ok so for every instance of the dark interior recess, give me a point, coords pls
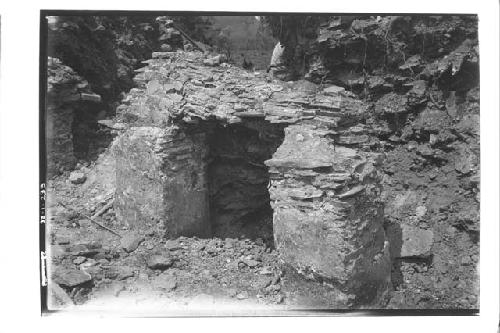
(238, 179)
(89, 138)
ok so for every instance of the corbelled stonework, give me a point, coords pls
(311, 142)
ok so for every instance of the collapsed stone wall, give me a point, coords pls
(103, 49)
(68, 95)
(324, 184)
(419, 76)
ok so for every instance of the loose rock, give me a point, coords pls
(125, 272)
(77, 177)
(251, 263)
(70, 277)
(59, 297)
(416, 242)
(79, 260)
(131, 242)
(166, 282)
(162, 261)
(173, 245)
(242, 295)
(266, 271)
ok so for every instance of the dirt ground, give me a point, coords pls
(179, 276)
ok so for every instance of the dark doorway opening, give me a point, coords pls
(238, 179)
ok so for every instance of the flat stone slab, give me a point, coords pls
(416, 242)
(77, 177)
(58, 297)
(160, 261)
(70, 277)
(131, 242)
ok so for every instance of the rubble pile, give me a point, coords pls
(183, 268)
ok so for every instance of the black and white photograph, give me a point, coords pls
(249, 167)
(262, 163)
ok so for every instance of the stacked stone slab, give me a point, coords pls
(324, 181)
(328, 220)
(161, 179)
(65, 90)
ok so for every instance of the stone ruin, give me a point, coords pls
(209, 149)
(68, 97)
(333, 179)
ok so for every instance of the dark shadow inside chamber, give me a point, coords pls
(238, 179)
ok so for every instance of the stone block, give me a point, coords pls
(416, 242)
(154, 186)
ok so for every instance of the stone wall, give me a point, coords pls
(328, 218)
(162, 181)
(67, 93)
(324, 187)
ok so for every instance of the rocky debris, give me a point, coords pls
(413, 64)
(250, 262)
(90, 97)
(68, 277)
(66, 91)
(166, 48)
(87, 249)
(166, 281)
(160, 261)
(77, 177)
(95, 270)
(131, 241)
(58, 298)
(173, 245)
(111, 124)
(63, 241)
(117, 289)
(242, 295)
(65, 85)
(391, 103)
(263, 283)
(416, 242)
(266, 271)
(79, 260)
(112, 272)
(125, 273)
(467, 220)
(214, 61)
(232, 292)
(170, 36)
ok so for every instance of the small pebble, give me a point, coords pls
(242, 295)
